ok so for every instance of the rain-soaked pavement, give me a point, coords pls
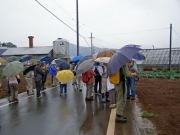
(64, 115)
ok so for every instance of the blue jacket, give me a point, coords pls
(52, 70)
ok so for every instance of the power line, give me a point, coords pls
(104, 42)
(82, 23)
(64, 10)
(60, 20)
(132, 32)
(176, 33)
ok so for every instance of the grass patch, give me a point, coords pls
(146, 114)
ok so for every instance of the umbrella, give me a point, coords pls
(31, 68)
(12, 58)
(2, 60)
(62, 64)
(102, 59)
(13, 68)
(120, 58)
(139, 56)
(132, 45)
(84, 66)
(65, 76)
(76, 58)
(45, 58)
(25, 58)
(105, 53)
(83, 59)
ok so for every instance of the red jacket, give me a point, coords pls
(91, 74)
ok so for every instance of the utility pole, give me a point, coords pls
(170, 47)
(77, 18)
(92, 50)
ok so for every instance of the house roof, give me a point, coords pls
(27, 50)
(2, 51)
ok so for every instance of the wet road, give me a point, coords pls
(55, 115)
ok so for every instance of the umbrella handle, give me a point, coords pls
(136, 78)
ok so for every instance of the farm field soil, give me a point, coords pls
(162, 97)
(21, 86)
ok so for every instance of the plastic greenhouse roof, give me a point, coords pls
(160, 56)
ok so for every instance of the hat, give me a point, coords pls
(38, 62)
(43, 62)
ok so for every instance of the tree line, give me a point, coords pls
(8, 45)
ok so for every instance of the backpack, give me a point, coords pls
(85, 78)
(98, 76)
(117, 78)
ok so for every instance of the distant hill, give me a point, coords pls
(82, 50)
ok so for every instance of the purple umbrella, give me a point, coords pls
(120, 58)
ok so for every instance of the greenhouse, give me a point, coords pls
(158, 59)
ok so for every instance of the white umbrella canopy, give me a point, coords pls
(102, 59)
(84, 66)
(13, 68)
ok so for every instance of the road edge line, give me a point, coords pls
(111, 125)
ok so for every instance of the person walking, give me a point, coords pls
(14, 88)
(89, 84)
(98, 78)
(121, 93)
(28, 77)
(130, 82)
(53, 71)
(43, 68)
(63, 86)
(38, 73)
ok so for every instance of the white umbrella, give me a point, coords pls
(102, 59)
(84, 66)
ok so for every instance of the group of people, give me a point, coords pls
(97, 80)
(115, 94)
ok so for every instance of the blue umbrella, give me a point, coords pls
(139, 56)
(120, 58)
(45, 58)
(25, 58)
(76, 58)
(62, 64)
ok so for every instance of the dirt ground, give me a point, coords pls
(161, 97)
(157, 96)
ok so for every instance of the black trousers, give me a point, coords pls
(38, 88)
(98, 81)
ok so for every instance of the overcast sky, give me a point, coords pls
(114, 23)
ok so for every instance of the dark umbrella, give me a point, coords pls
(139, 56)
(120, 58)
(45, 58)
(25, 58)
(31, 68)
(62, 64)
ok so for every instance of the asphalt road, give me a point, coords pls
(55, 115)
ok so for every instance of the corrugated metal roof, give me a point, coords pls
(2, 51)
(160, 56)
(27, 50)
